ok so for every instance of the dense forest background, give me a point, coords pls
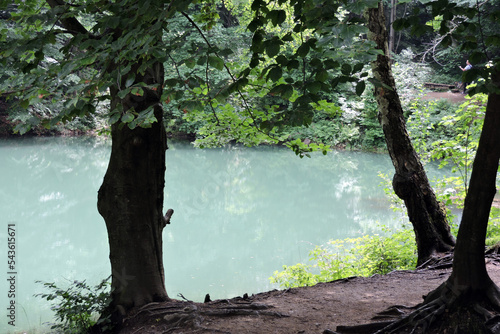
(343, 118)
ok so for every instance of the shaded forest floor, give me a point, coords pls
(450, 96)
(314, 309)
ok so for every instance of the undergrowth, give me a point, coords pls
(78, 307)
(363, 256)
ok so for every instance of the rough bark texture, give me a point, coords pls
(468, 264)
(131, 203)
(131, 196)
(468, 301)
(410, 182)
(392, 35)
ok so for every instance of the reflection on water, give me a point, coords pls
(240, 214)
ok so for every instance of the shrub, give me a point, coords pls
(363, 256)
(78, 307)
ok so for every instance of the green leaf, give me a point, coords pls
(130, 80)
(303, 50)
(276, 16)
(257, 39)
(266, 125)
(346, 69)
(358, 7)
(360, 88)
(255, 24)
(287, 38)
(216, 62)
(24, 104)
(493, 40)
(322, 75)
(257, 4)
(358, 67)
(202, 60)
(293, 64)
(272, 49)
(121, 94)
(190, 62)
(138, 91)
(313, 87)
(275, 73)
(127, 117)
(282, 60)
(172, 82)
(114, 118)
(285, 91)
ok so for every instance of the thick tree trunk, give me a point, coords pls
(410, 182)
(131, 202)
(469, 269)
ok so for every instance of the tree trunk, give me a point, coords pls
(410, 182)
(468, 263)
(131, 201)
(392, 35)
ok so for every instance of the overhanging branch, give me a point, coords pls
(71, 24)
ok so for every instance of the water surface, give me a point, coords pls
(240, 214)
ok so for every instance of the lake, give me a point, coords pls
(240, 214)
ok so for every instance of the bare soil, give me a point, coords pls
(317, 309)
(450, 96)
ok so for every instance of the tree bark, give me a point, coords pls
(131, 201)
(469, 269)
(410, 182)
(392, 35)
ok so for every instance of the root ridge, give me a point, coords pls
(450, 308)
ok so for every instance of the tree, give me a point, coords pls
(469, 294)
(118, 51)
(392, 34)
(131, 196)
(410, 183)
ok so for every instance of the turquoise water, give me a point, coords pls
(240, 214)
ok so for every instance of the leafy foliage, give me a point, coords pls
(449, 135)
(470, 27)
(78, 306)
(363, 256)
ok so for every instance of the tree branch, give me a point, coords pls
(71, 24)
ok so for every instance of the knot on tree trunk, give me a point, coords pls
(402, 184)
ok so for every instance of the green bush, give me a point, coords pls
(78, 307)
(363, 256)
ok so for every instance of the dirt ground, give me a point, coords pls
(452, 97)
(317, 309)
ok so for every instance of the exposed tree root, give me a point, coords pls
(450, 308)
(438, 262)
(446, 261)
(186, 314)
